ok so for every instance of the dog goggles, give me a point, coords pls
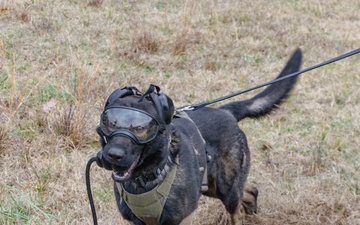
(138, 125)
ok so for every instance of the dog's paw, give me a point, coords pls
(249, 201)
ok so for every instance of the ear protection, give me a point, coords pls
(164, 105)
(167, 107)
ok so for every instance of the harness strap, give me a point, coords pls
(204, 183)
(148, 206)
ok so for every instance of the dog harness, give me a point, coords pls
(202, 168)
(148, 206)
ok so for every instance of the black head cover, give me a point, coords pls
(164, 105)
(121, 93)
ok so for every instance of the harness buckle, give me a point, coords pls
(140, 181)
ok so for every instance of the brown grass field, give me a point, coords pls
(59, 61)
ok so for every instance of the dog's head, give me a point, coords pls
(133, 127)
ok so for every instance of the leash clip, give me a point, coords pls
(185, 108)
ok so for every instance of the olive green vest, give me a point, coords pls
(148, 206)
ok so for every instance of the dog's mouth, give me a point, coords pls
(121, 176)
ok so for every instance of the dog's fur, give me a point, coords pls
(226, 146)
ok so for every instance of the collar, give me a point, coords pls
(156, 176)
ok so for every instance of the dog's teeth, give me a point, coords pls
(121, 176)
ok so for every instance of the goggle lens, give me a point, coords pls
(139, 123)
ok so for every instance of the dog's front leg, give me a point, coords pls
(249, 200)
(249, 204)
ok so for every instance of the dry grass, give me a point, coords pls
(59, 60)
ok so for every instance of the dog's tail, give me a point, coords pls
(269, 98)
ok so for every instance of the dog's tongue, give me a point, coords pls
(123, 176)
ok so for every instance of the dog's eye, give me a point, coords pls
(139, 129)
(140, 132)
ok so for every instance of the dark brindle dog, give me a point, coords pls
(163, 162)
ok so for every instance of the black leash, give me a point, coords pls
(203, 104)
(88, 189)
(200, 105)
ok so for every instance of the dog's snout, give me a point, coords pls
(116, 154)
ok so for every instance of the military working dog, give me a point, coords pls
(162, 160)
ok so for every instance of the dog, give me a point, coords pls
(162, 160)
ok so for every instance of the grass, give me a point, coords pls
(59, 61)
